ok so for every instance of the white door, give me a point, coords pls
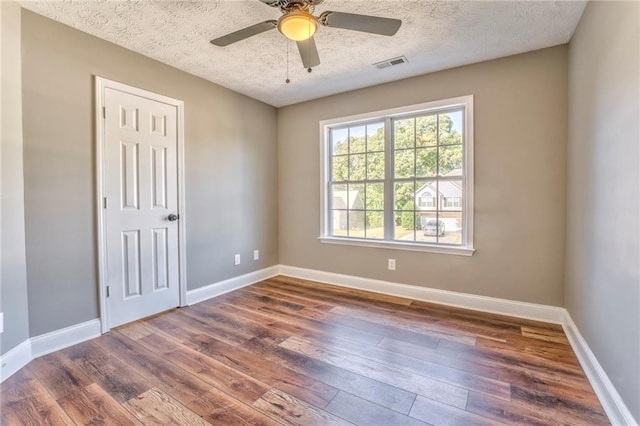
(141, 190)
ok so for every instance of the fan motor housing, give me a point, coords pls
(287, 5)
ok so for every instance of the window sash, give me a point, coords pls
(465, 203)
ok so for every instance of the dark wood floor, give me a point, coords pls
(287, 351)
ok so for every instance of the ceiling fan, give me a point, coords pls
(298, 23)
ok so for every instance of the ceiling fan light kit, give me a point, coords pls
(297, 23)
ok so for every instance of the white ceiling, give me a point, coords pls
(435, 35)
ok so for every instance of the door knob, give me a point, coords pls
(172, 217)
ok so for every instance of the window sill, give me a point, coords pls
(396, 245)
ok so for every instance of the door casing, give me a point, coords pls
(100, 85)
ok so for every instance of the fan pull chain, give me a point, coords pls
(287, 44)
(309, 45)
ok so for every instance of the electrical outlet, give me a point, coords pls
(256, 254)
(391, 265)
(236, 259)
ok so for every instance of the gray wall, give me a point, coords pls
(602, 290)
(13, 278)
(231, 176)
(520, 144)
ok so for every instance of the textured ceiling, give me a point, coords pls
(435, 35)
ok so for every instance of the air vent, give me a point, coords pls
(390, 62)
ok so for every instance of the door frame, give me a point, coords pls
(100, 85)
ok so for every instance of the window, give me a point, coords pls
(427, 200)
(401, 178)
(453, 202)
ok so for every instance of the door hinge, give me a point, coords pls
(104, 202)
(104, 112)
(108, 291)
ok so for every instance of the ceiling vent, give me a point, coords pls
(391, 62)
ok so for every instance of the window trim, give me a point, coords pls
(466, 249)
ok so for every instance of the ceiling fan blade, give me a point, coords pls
(244, 33)
(365, 23)
(308, 52)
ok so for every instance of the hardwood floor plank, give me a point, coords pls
(433, 355)
(386, 331)
(154, 407)
(421, 385)
(92, 405)
(580, 395)
(564, 409)
(202, 398)
(513, 369)
(556, 336)
(20, 385)
(251, 297)
(509, 413)
(438, 414)
(174, 324)
(292, 411)
(233, 323)
(375, 391)
(265, 289)
(426, 332)
(59, 374)
(523, 412)
(159, 371)
(218, 408)
(460, 378)
(497, 321)
(362, 412)
(540, 350)
(114, 376)
(511, 358)
(239, 385)
(343, 291)
(325, 293)
(311, 325)
(274, 375)
(464, 327)
(516, 372)
(257, 317)
(136, 329)
(31, 405)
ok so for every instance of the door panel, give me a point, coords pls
(140, 183)
(129, 171)
(159, 177)
(131, 263)
(160, 259)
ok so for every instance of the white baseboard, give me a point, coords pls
(216, 289)
(65, 337)
(494, 305)
(15, 359)
(609, 397)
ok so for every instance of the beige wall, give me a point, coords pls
(520, 145)
(602, 290)
(231, 177)
(13, 278)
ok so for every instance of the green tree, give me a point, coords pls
(408, 216)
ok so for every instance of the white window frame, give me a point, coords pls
(466, 248)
